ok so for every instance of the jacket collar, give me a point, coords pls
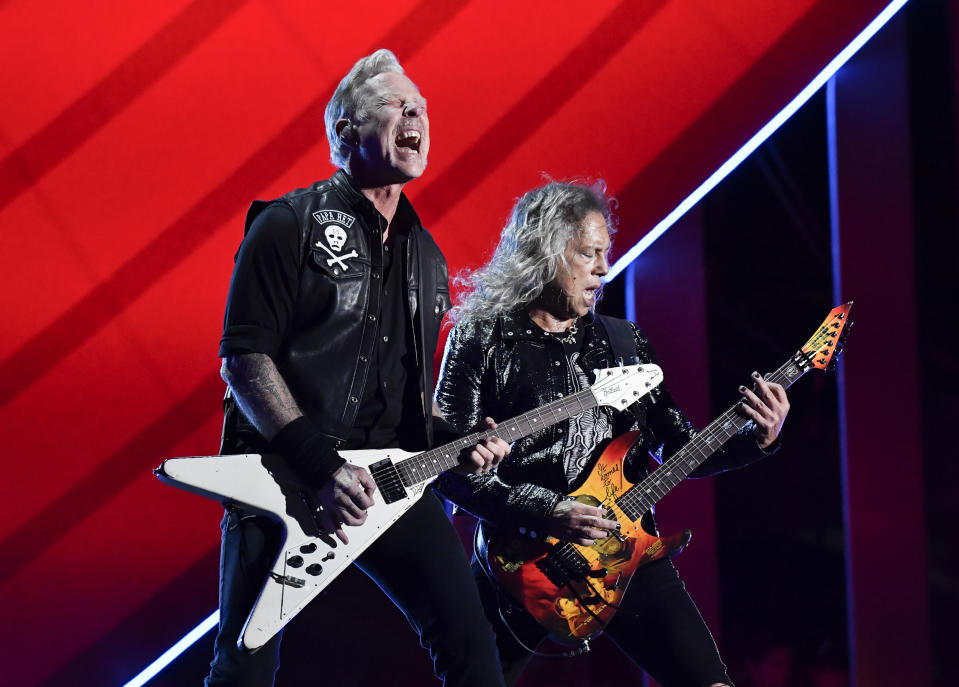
(405, 213)
(517, 325)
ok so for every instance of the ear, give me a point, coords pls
(344, 130)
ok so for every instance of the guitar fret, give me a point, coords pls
(426, 465)
(670, 479)
(639, 498)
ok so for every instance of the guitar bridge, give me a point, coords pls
(563, 564)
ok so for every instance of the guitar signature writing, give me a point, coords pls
(607, 474)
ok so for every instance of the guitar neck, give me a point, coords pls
(427, 465)
(642, 496)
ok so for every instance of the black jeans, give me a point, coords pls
(419, 563)
(658, 626)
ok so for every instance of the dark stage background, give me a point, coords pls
(133, 137)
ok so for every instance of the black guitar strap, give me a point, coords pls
(621, 340)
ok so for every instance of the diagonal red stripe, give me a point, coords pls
(595, 50)
(81, 120)
(179, 240)
(656, 189)
(113, 295)
(143, 452)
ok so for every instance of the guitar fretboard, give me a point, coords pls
(642, 496)
(427, 465)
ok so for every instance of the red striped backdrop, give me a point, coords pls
(134, 135)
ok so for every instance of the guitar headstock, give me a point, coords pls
(619, 387)
(822, 350)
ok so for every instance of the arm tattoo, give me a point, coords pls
(261, 392)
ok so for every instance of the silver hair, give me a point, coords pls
(532, 247)
(347, 102)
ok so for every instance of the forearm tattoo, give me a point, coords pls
(261, 392)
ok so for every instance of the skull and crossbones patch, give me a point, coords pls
(335, 237)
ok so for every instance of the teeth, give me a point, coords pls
(411, 136)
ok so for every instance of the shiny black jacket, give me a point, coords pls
(325, 357)
(506, 366)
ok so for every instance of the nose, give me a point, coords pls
(602, 265)
(412, 109)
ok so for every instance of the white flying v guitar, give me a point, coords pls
(310, 557)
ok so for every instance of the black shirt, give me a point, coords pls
(392, 389)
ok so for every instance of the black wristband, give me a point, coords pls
(311, 453)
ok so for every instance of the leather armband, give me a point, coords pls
(311, 453)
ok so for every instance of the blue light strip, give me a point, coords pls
(170, 654)
(630, 292)
(758, 138)
(835, 228)
(630, 255)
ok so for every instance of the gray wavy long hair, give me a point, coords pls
(532, 247)
(347, 103)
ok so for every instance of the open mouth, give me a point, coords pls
(591, 293)
(409, 140)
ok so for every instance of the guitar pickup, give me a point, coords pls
(563, 564)
(288, 580)
(388, 480)
(601, 572)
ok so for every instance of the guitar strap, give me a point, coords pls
(620, 334)
(623, 344)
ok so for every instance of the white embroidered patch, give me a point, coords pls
(335, 237)
(335, 224)
(334, 217)
(338, 259)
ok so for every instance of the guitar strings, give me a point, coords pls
(414, 469)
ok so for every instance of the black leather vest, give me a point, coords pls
(325, 359)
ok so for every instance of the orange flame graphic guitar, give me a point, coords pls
(573, 591)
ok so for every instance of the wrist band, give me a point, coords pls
(311, 453)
